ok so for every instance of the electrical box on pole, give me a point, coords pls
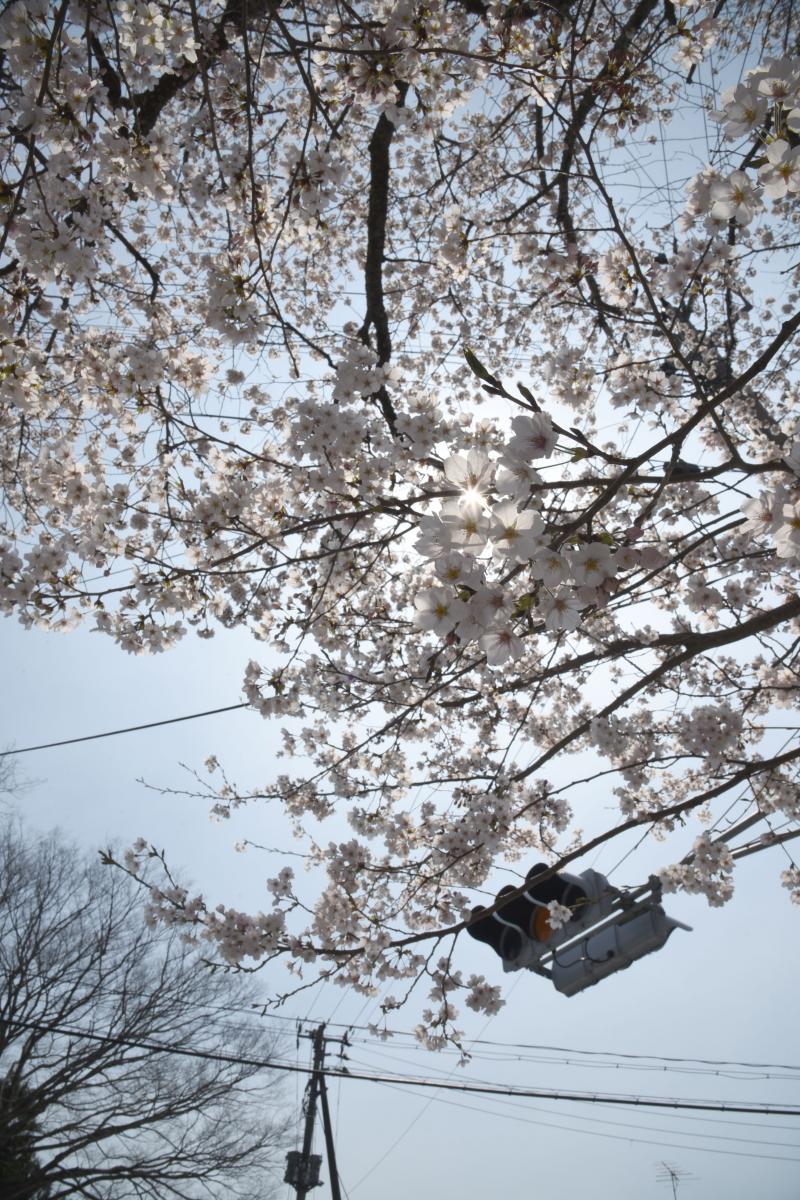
(302, 1174)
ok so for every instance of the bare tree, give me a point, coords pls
(19, 1167)
(8, 776)
(87, 1106)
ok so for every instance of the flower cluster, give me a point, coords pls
(791, 880)
(314, 176)
(776, 514)
(478, 545)
(694, 43)
(711, 731)
(707, 873)
(765, 104)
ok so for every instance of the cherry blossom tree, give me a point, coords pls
(450, 348)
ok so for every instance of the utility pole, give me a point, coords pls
(326, 1120)
(303, 1167)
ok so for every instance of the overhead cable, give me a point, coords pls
(629, 1137)
(711, 1062)
(440, 1085)
(92, 737)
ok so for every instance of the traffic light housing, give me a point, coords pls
(520, 930)
(521, 933)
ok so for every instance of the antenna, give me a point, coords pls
(672, 1175)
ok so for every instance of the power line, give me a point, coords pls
(551, 1056)
(91, 737)
(753, 1145)
(585, 1061)
(648, 1061)
(389, 1052)
(627, 1125)
(711, 1062)
(412, 1081)
(629, 1137)
(377, 1046)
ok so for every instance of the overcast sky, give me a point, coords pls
(726, 991)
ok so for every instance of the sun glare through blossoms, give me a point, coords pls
(451, 350)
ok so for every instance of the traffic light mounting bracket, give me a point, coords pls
(625, 907)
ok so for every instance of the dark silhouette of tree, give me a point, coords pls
(19, 1168)
(87, 1105)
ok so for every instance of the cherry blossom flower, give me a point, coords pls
(744, 110)
(434, 536)
(787, 535)
(550, 566)
(707, 873)
(514, 534)
(790, 879)
(499, 645)
(765, 512)
(534, 437)
(483, 997)
(472, 472)
(710, 730)
(562, 610)
(466, 523)
(700, 195)
(458, 569)
(735, 198)
(488, 608)
(558, 915)
(516, 478)
(778, 79)
(438, 610)
(781, 173)
(592, 564)
(695, 42)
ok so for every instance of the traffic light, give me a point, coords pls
(520, 930)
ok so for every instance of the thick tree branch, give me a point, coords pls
(375, 316)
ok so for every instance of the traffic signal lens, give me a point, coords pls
(576, 899)
(485, 929)
(541, 929)
(511, 945)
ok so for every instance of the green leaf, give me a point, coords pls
(528, 395)
(477, 368)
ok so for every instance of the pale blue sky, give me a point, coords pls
(728, 990)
